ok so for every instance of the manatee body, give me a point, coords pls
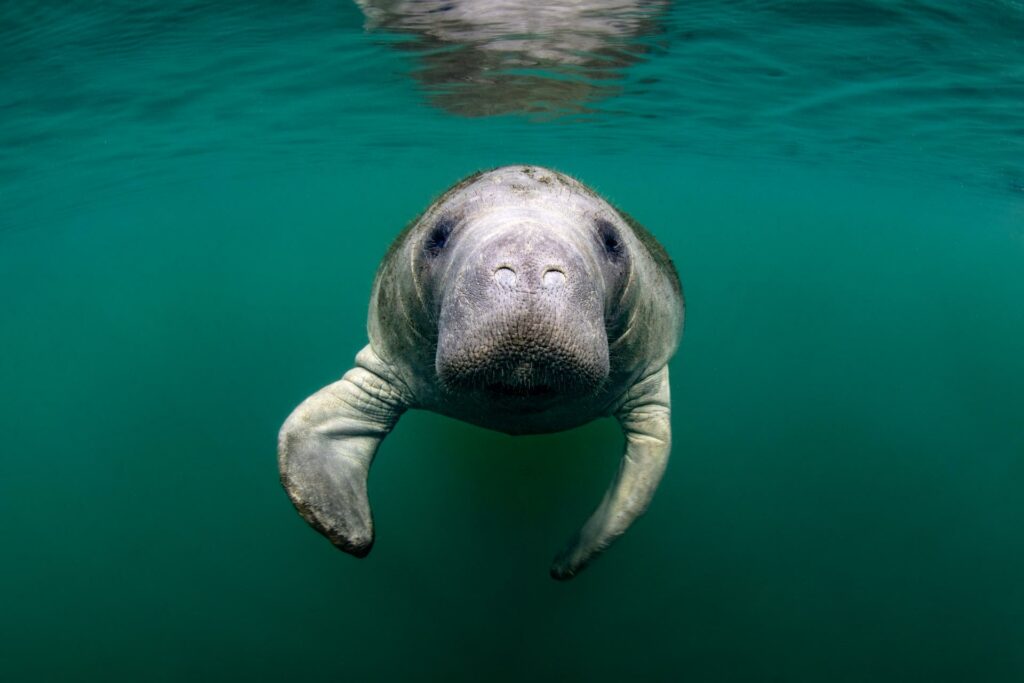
(519, 301)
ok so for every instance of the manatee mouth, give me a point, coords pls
(502, 389)
(505, 376)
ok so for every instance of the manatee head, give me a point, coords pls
(523, 270)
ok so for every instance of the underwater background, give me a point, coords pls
(193, 203)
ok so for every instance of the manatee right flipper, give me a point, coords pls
(645, 417)
(326, 447)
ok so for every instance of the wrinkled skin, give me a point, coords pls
(519, 301)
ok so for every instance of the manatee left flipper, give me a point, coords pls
(326, 447)
(645, 417)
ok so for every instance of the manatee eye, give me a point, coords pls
(438, 237)
(610, 238)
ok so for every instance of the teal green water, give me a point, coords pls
(192, 206)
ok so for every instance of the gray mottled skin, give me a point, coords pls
(519, 301)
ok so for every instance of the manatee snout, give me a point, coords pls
(524, 320)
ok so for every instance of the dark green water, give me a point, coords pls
(192, 206)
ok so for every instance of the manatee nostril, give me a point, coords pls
(505, 276)
(553, 278)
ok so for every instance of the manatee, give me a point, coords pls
(520, 301)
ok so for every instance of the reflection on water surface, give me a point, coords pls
(478, 58)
